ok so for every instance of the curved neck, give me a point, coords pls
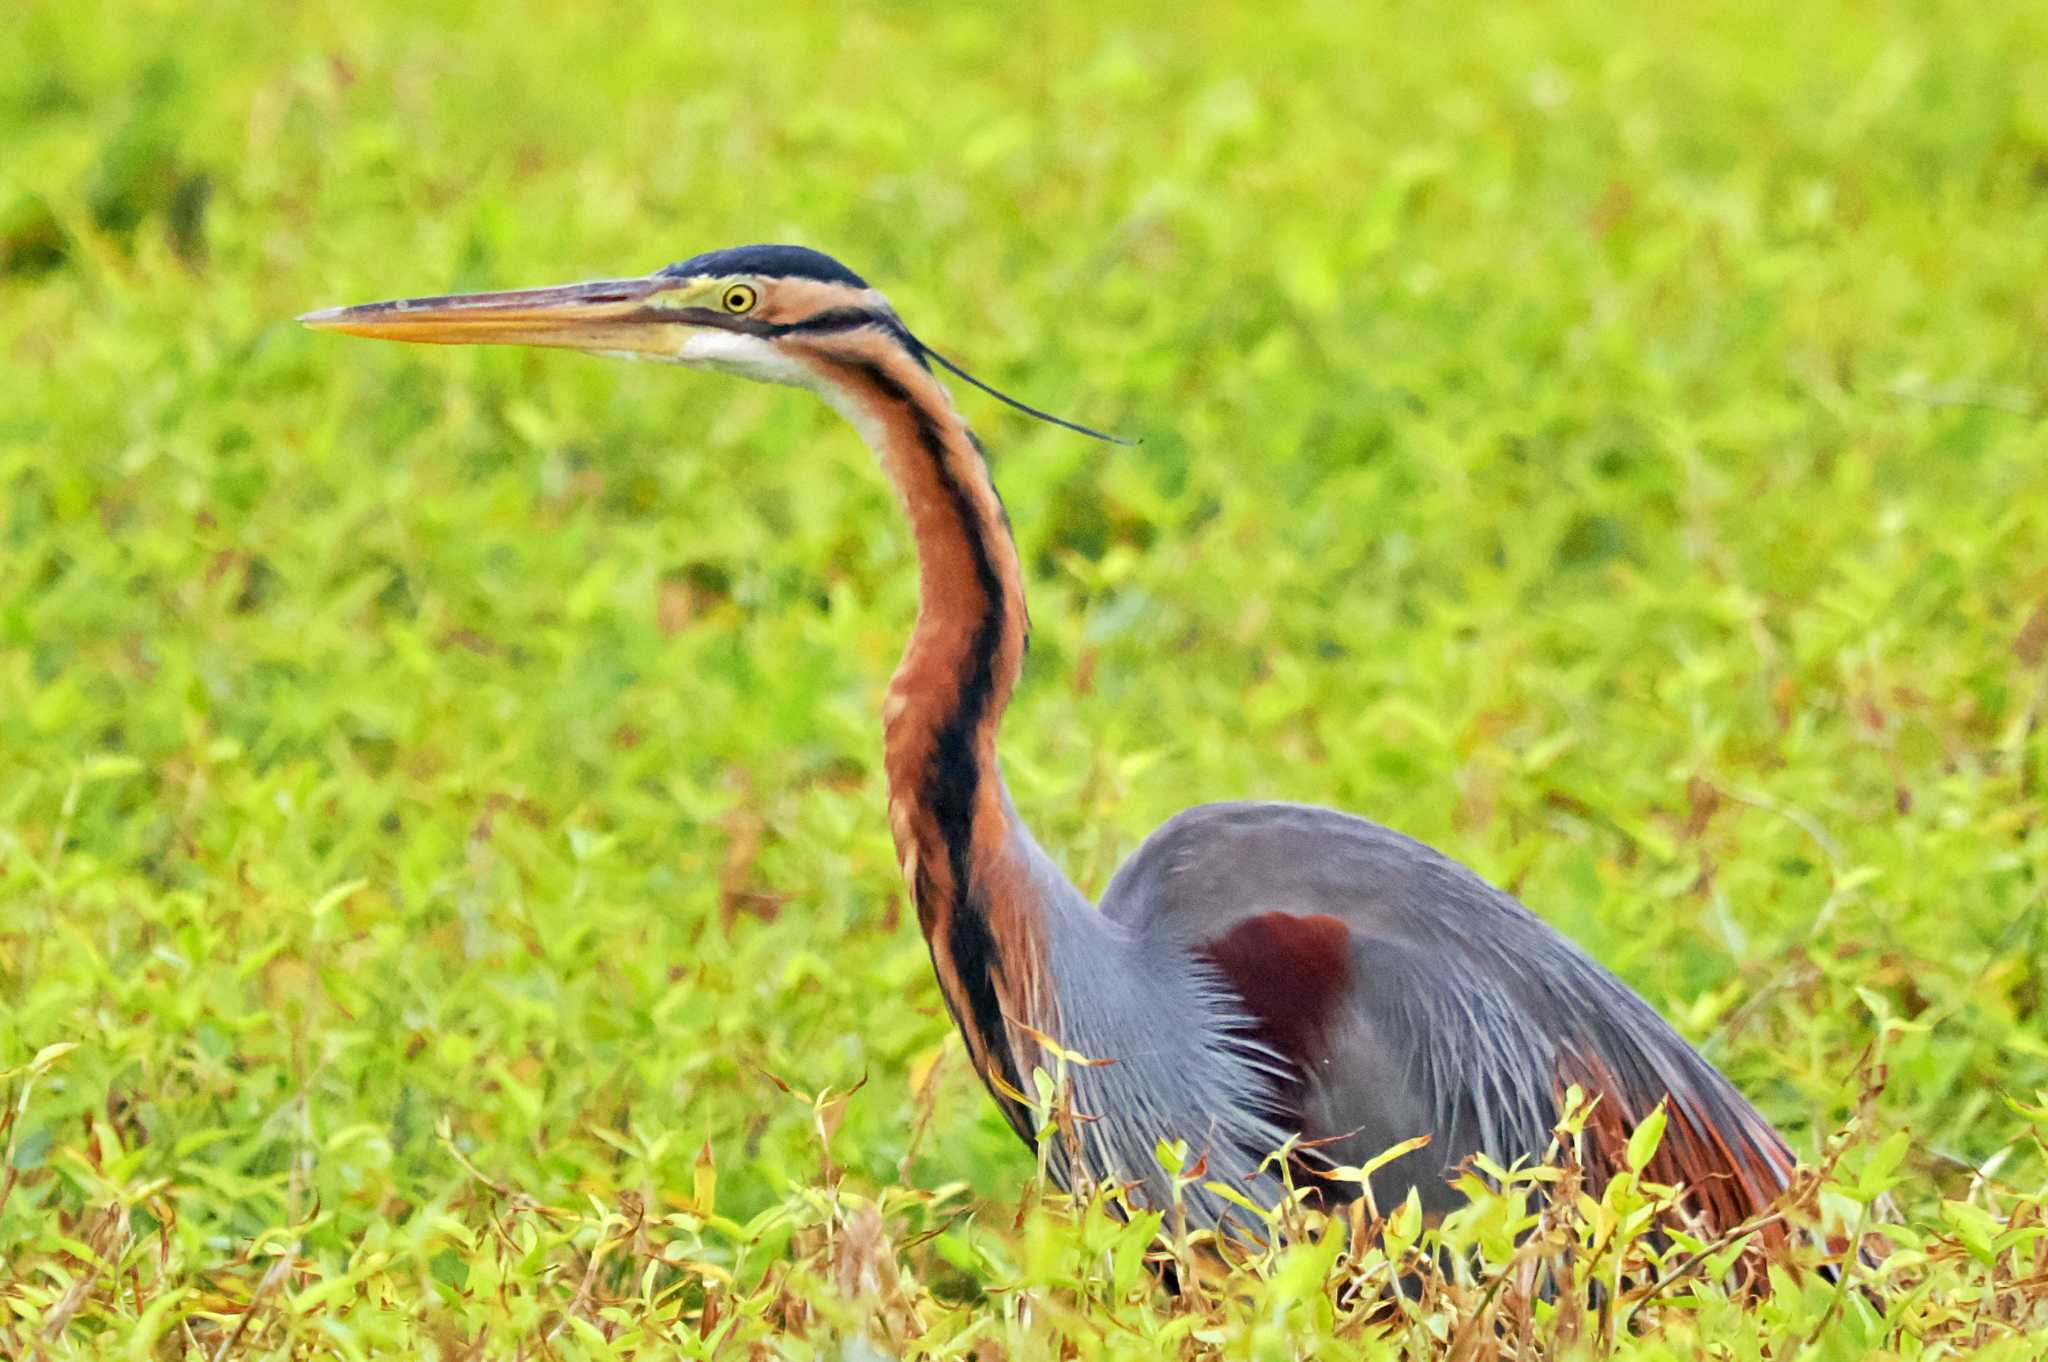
(971, 870)
(1000, 919)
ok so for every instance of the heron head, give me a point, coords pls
(763, 312)
(776, 314)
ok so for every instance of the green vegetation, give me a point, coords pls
(445, 898)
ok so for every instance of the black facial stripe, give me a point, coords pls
(829, 322)
(834, 320)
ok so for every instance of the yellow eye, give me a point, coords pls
(737, 298)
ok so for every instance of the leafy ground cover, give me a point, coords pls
(445, 905)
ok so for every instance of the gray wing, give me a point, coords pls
(1412, 997)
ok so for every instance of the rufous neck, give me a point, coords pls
(976, 900)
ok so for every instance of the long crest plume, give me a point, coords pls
(926, 352)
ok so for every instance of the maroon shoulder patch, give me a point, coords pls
(1291, 972)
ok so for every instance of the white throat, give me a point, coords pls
(735, 352)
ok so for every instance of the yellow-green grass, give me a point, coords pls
(443, 868)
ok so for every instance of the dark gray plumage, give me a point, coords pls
(1465, 1013)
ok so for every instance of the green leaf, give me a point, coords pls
(1644, 1139)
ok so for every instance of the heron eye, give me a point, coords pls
(738, 298)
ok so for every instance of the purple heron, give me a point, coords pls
(1255, 972)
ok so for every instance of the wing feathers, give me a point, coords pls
(1731, 1165)
(1457, 1012)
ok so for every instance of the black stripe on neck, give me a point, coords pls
(953, 778)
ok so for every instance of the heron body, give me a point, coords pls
(1255, 972)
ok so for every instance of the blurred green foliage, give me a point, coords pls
(435, 785)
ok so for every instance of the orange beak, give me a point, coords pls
(606, 315)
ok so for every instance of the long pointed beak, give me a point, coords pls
(610, 315)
